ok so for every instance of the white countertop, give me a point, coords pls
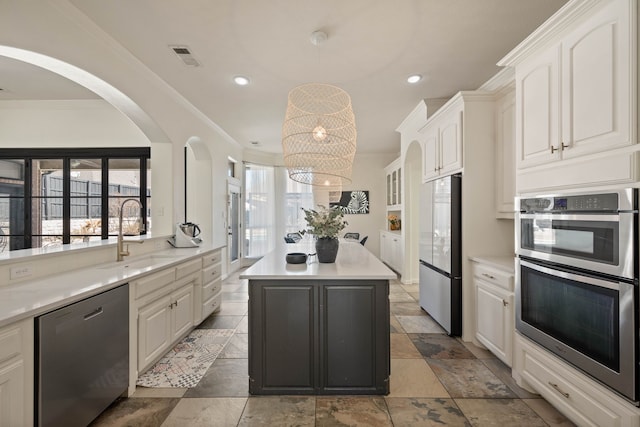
(35, 297)
(354, 262)
(506, 264)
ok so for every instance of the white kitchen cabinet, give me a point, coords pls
(576, 103)
(211, 283)
(16, 374)
(579, 398)
(505, 172)
(495, 311)
(394, 185)
(442, 143)
(392, 249)
(162, 322)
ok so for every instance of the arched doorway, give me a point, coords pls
(412, 182)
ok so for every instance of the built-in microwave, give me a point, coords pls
(593, 232)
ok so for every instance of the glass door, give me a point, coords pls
(233, 226)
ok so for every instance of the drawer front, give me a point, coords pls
(211, 305)
(211, 289)
(494, 276)
(188, 268)
(154, 281)
(211, 273)
(583, 402)
(10, 342)
(212, 258)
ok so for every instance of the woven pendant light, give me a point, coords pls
(319, 135)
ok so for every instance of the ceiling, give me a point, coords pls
(372, 47)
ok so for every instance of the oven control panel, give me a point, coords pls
(607, 202)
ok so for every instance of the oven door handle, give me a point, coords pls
(571, 276)
(570, 217)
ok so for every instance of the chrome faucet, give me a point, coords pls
(120, 247)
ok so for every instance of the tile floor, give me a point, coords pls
(435, 380)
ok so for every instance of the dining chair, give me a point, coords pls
(355, 236)
(364, 240)
(296, 237)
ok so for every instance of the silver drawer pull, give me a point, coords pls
(488, 275)
(94, 313)
(555, 386)
(505, 303)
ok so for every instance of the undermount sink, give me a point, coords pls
(147, 261)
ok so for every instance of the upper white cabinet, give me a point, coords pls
(576, 97)
(394, 185)
(505, 154)
(442, 143)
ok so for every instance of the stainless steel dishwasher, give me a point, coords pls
(82, 358)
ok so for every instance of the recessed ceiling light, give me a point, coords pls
(415, 78)
(241, 80)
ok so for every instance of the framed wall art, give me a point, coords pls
(353, 202)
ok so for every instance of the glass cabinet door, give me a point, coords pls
(394, 187)
(388, 190)
(399, 186)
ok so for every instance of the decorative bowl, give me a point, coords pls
(296, 258)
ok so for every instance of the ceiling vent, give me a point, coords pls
(185, 55)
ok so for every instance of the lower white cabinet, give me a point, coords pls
(163, 322)
(16, 374)
(582, 400)
(495, 311)
(392, 250)
(211, 283)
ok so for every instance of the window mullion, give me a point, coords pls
(66, 200)
(104, 211)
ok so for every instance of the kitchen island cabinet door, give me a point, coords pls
(283, 338)
(355, 338)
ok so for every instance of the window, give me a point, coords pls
(50, 197)
(271, 194)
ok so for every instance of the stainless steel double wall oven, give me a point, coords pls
(577, 282)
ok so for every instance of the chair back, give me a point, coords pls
(355, 236)
(364, 240)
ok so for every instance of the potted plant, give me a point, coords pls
(325, 224)
(394, 222)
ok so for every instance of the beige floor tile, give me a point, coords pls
(499, 413)
(243, 326)
(503, 372)
(421, 412)
(279, 411)
(548, 413)
(159, 392)
(233, 309)
(141, 412)
(420, 325)
(478, 352)
(396, 327)
(352, 411)
(236, 348)
(209, 412)
(414, 378)
(412, 287)
(403, 348)
(469, 378)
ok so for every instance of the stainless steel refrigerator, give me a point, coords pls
(440, 252)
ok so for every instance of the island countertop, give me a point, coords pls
(354, 262)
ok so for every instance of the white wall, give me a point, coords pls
(368, 174)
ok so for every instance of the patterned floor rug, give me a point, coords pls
(186, 363)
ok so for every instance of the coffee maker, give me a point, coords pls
(186, 235)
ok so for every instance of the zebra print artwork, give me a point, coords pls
(353, 202)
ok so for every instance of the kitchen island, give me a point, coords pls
(319, 328)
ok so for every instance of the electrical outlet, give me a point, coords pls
(21, 271)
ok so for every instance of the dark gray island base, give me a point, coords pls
(319, 328)
(311, 336)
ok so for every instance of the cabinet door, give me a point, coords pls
(283, 321)
(431, 161)
(505, 155)
(451, 144)
(388, 189)
(537, 100)
(384, 247)
(596, 91)
(355, 331)
(182, 311)
(12, 394)
(394, 187)
(154, 331)
(494, 317)
(396, 253)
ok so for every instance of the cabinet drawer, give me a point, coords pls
(494, 276)
(188, 268)
(10, 342)
(583, 401)
(211, 258)
(154, 281)
(211, 305)
(211, 289)
(211, 273)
